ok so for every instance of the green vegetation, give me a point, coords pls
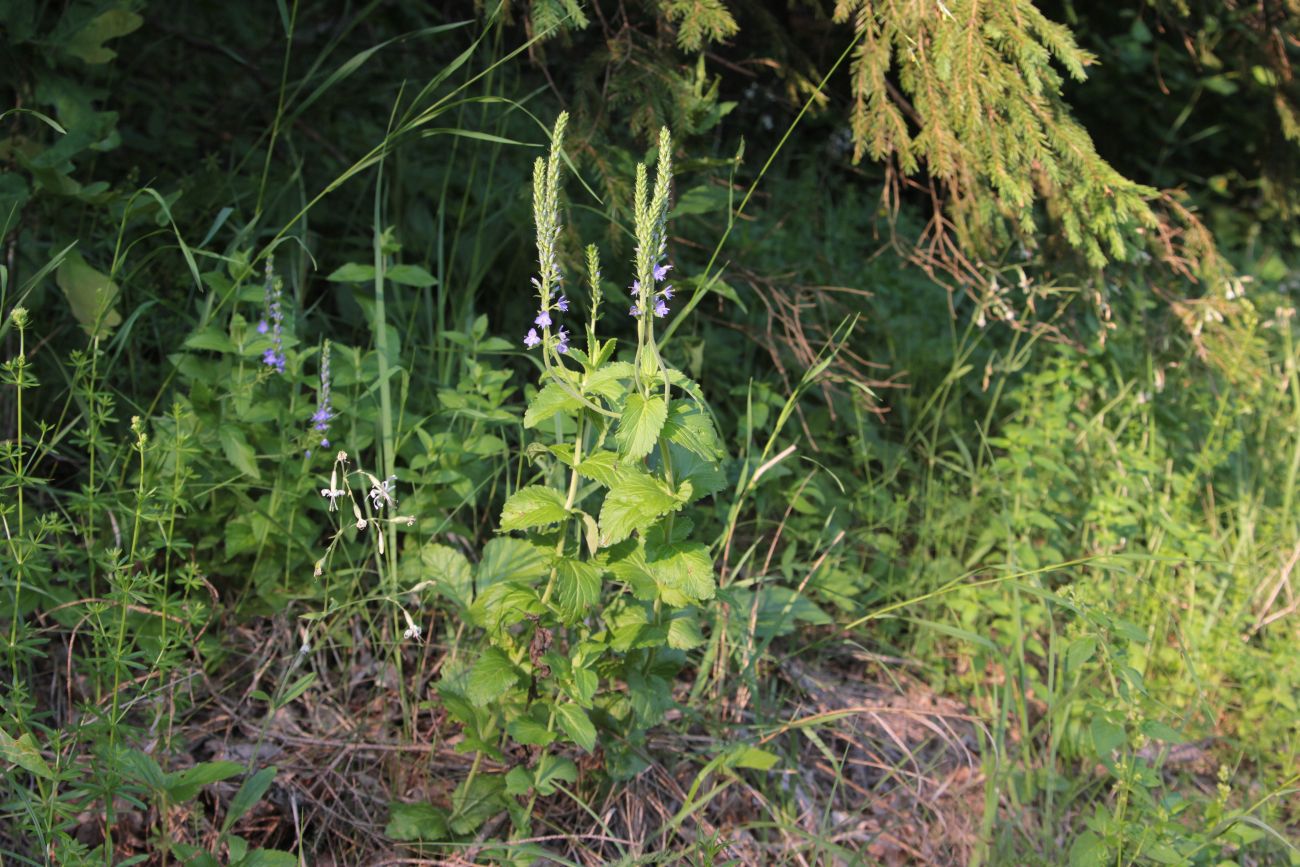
(412, 452)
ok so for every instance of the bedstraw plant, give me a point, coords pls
(583, 650)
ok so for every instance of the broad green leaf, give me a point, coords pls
(552, 398)
(90, 294)
(504, 604)
(608, 381)
(1106, 736)
(528, 731)
(410, 275)
(238, 451)
(475, 801)
(577, 725)
(519, 781)
(24, 753)
(705, 476)
(353, 272)
(444, 565)
(747, 756)
(184, 785)
(692, 429)
(601, 467)
(249, 794)
(683, 571)
(634, 502)
(507, 558)
(551, 770)
(210, 339)
(578, 586)
(493, 676)
(267, 858)
(88, 42)
(533, 506)
(684, 633)
(639, 426)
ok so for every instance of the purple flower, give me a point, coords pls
(667, 292)
(661, 309)
(320, 419)
(562, 305)
(531, 339)
(635, 311)
(562, 342)
(661, 271)
(273, 320)
(636, 285)
(543, 319)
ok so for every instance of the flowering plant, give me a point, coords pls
(592, 639)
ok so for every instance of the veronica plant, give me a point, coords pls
(593, 637)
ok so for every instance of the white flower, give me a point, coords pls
(412, 631)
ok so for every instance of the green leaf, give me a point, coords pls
(88, 42)
(692, 429)
(683, 571)
(639, 426)
(577, 725)
(90, 294)
(24, 753)
(684, 633)
(533, 506)
(578, 586)
(1088, 850)
(552, 770)
(211, 339)
(601, 467)
(475, 801)
(238, 451)
(507, 558)
(353, 272)
(746, 756)
(249, 794)
(445, 566)
(493, 676)
(701, 200)
(408, 822)
(528, 731)
(551, 399)
(410, 275)
(634, 502)
(267, 858)
(1106, 736)
(1079, 652)
(182, 786)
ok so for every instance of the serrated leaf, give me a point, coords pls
(552, 398)
(634, 502)
(211, 339)
(445, 566)
(601, 467)
(684, 633)
(1106, 736)
(507, 558)
(684, 572)
(578, 586)
(608, 381)
(475, 801)
(493, 676)
(692, 429)
(410, 822)
(528, 731)
(238, 451)
(639, 426)
(533, 506)
(577, 724)
(552, 770)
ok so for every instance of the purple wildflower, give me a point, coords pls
(636, 285)
(320, 419)
(274, 314)
(661, 271)
(562, 305)
(531, 339)
(543, 319)
(661, 309)
(635, 311)
(667, 292)
(562, 341)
